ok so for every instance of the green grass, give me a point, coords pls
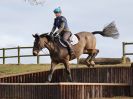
(15, 69)
(9, 69)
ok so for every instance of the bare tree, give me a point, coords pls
(36, 2)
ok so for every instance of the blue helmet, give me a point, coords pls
(57, 10)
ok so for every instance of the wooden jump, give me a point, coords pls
(62, 90)
(85, 75)
(88, 83)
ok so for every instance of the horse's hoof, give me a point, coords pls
(88, 64)
(70, 78)
(49, 78)
(92, 63)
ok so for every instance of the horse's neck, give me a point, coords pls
(52, 47)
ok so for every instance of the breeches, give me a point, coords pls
(65, 36)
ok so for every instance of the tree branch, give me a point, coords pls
(35, 2)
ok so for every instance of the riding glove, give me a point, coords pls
(56, 34)
(51, 33)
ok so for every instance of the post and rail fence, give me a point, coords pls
(18, 56)
(124, 53)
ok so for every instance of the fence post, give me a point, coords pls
(18, 55)
(38, 59)
(3, 55)
(77, 61)
(124, 56)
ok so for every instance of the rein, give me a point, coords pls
(48, 46)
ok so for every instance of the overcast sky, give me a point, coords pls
(19, 20)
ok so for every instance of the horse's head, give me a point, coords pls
(39, 43)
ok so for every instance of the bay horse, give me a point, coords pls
(86, 45)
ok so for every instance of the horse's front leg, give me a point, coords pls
(67, 67)
(53, 64)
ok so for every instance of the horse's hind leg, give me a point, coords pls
(88, 60)
(90, 53)
(93, 55)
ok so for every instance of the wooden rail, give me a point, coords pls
(18, 56)
(124, 44)
(84, 75)
(106, 61)
(62, 90)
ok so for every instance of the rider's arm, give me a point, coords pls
(61, 28)
(53, 29)
(54, 26)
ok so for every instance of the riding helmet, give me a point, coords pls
(57, 10)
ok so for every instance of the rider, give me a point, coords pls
(63, 31)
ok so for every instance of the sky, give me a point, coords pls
(19, 20)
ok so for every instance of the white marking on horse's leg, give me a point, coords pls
(92, 63)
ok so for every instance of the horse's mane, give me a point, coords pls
(45, 35)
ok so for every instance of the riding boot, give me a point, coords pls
(70, 50)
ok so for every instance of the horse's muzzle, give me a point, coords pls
(35, 53)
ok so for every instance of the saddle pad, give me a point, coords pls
(74, 39)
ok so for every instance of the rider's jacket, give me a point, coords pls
(60, 23)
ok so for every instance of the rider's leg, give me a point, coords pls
(65, 38)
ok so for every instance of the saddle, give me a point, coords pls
(73, 40)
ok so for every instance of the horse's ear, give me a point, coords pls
(35, 36)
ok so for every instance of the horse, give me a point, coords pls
(86, 45)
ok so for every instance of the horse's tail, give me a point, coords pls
(109, 31)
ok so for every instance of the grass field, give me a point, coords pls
(16, 69)
(9, 69)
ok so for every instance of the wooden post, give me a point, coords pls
(3, 55)
(131, 87)
(124, 56)
(38, 59)
(132, 64)
(77, 61)
(18, 55)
